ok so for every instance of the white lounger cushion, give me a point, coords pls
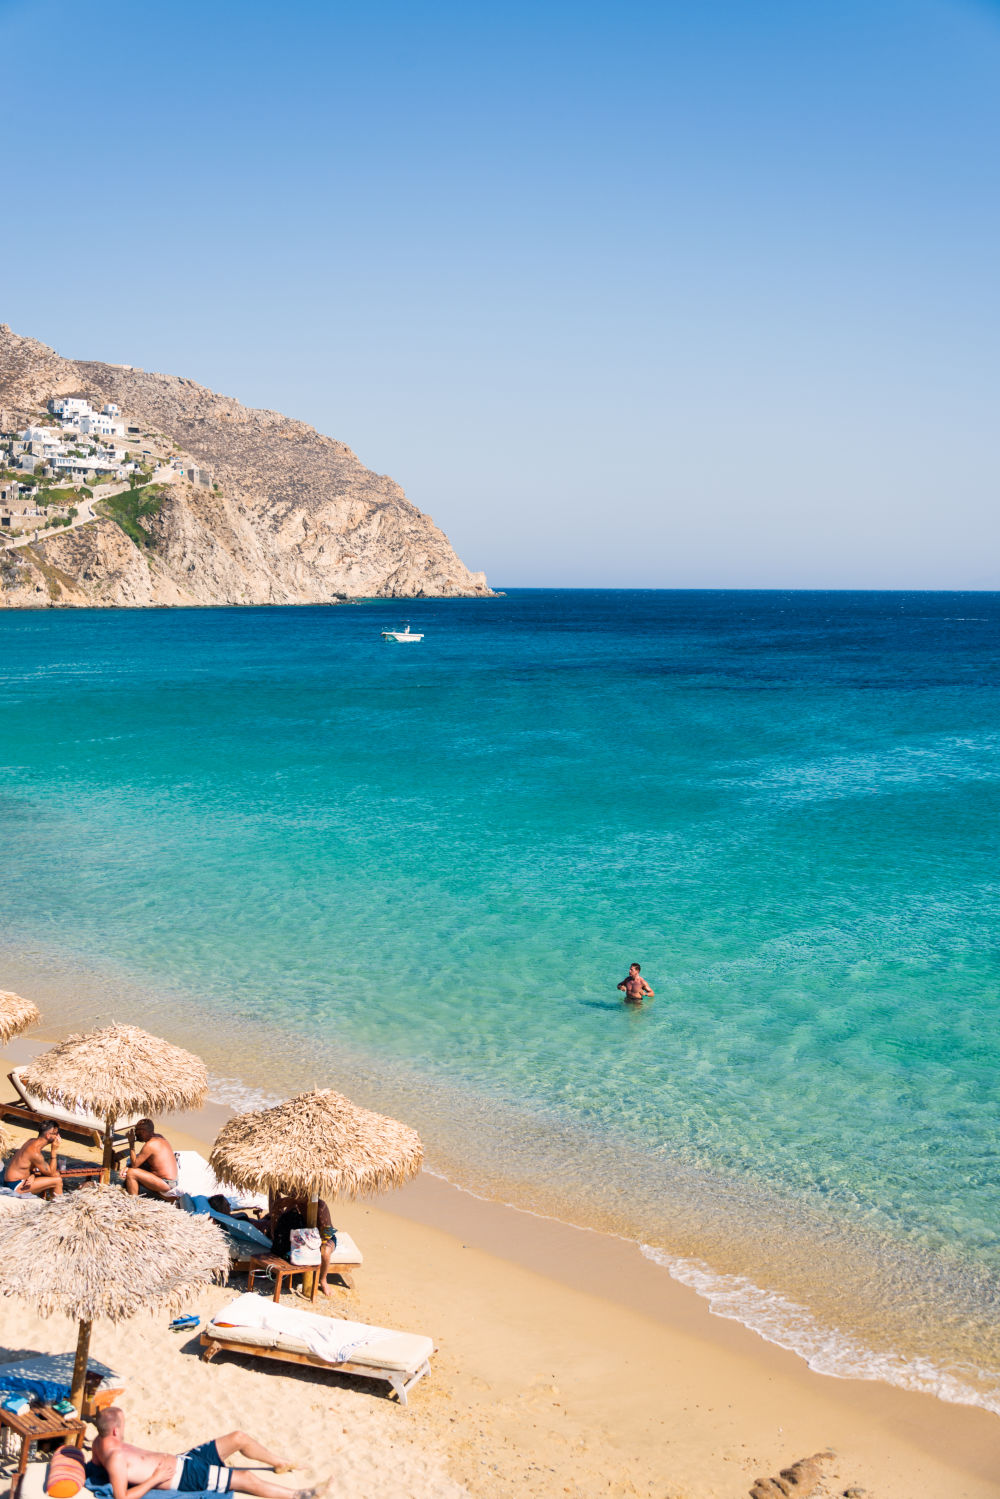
(78, 1116)
(196, 1177)
(263, 1324)
(346, 1251)
(403, 1352)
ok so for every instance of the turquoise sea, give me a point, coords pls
(416, 873)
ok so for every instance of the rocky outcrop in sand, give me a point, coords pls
(799, 1481)
(295, 517)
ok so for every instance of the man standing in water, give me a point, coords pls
(635, 987)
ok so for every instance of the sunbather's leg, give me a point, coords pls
(136, 1177)
(39, 1184)
(325, 1255)
(243, 1443)
(249, 1481)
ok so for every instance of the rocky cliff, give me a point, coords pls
(292, 516)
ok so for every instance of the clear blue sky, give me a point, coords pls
(674, 294)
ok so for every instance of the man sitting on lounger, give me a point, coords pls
(133, 1471)
(154, 1165)
(29, 1171)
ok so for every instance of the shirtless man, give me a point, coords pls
(635, 986)
(154, 1165)
(29, 1171)
(133, 1471)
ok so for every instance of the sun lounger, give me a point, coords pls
(27, 1109)
(259, 1329)
(196, 1178)
(245, 1240)
(12, 1202)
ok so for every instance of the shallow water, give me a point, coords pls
(418, 873)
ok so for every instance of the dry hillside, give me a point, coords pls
(294, 517)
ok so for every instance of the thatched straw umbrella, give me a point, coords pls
(98, 1253)
(16, 1014)
(118, 1070)
(317, 1144)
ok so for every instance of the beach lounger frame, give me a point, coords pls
(402, 1381)
(17, 1109)
(32, 1111)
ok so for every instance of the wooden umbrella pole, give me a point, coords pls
(78, 1387)
(109, 1152)
(312, 1217)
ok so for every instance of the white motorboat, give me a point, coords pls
(404, 633)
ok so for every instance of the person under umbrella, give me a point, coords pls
(316, 1143)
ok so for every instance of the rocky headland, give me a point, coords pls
(290, 516)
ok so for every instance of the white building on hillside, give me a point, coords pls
(66, 463)
(44, 441)
(69, 406)
(78, 413)
(98, 424)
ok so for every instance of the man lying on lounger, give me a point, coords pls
(154, 1165)
(133, 1471)
(29, 1171)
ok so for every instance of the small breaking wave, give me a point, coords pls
(238, 1095)
(826, 1350)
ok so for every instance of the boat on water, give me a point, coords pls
(404, 633)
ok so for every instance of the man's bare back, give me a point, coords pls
(154, 1164)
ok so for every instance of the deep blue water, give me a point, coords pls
(418, 872)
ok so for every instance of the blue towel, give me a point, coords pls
(237, 1228)
(48, 1384)
(98, 1483)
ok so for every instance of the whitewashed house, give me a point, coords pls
(69, 407)
(78, 413)
(91, 463)
(97, 424)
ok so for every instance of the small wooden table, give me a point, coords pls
(40, 1424)
(282, 1270)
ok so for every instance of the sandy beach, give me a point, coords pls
(566, 1364)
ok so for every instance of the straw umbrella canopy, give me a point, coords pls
(16, 1014)
(118, 1070)
(318, 1143)
(98, 1254)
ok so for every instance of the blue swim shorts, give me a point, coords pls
(202, 1468)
